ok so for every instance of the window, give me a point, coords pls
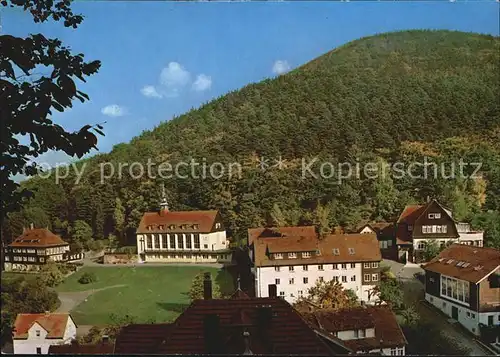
(320, 267)
(344, 279)
(37, 333)
(320, 279)
(291, 268)
(217, 225)
(344, 266)
(401, 351)
(277, 281)
(335, 266)
(164, 241)
(421, 245)
(282, 294)
(304, 267)
(300, 292)
(367, 277)
(278, 256)
(292, 255)
(374, 264)
(410, 228)
(374, 277)
(305, 280)
(361, 334)
(473, 315)
(291, 281)
(336, 279)
(366, 265)
(196, 241)
(434, 229)
(276, 268)
(38, 350)
(353, 265)
(356, 333)
(444, 229)
(394, 351)
(149, 242)
(306, 254)
(336, 251)
(205, 246)
(180, 242)
(439, 229)
(172, 241)
(353, 278)
(468, 314)
(351, 251)
(455, 289)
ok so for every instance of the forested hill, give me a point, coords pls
(373, 98)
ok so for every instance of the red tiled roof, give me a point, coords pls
(281, 232)
(141, 338)
(366, 248)
(77, 349)
(381, 318)
(410, 214)
(486, 258)
(285, 332)
(38, 237)
(204, 219)
(54, 324)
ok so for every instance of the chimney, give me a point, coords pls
(207, 287)
(273, 290)
(105, 338)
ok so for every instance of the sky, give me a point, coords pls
(160, 59)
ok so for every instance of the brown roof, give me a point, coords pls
(38, 237)
(274, 327)
(77, 349)
(281, 232)
(381, 318)
(366, 248)
(204, 219)
(482, 262)
(382, 229)
(54, 324)
(141, 338)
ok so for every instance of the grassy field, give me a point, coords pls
(149, 293)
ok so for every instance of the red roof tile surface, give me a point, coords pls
(482, 262)
(38, 237)
(380, 318)
(54, 324)
(205, 221)
(282, 331)
(141, 338)
(365, 248)
(281, 232)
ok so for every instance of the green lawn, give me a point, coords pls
(150, 293)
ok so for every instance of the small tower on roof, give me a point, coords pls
(163, 202)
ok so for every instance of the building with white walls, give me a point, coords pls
(294, 258)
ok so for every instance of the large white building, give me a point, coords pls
(464, 283)
(182, 236)
(293, 259)
(35, 333)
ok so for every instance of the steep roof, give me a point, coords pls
(274, 328)
(37, 237)
(193, 222)
(477, 262)
(387, 331)
(365, 247)
(84, 349)
(141, 338)
(281, 232)
(54, 324)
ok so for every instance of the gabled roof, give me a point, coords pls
(193, 221)
(281, 331)
(84, 349)
(37, 238)
(382, 229)
(382, 319)
(54, 324)
(364, 247)
(281, 232)
(141, 338)
(478, 262)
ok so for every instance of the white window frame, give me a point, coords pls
(292, 255)
(306, 254)
(305, 268)
(369, 277)
(278, 255)
(374, 264)
(291, 281)
(276, 269)
(366, 265)
(375, 277)
(320, 267)
(277, 281)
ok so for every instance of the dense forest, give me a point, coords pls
(397, 97)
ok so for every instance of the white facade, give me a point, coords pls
(37, 343)
(292, 284)
(369, 333)
(183, 247)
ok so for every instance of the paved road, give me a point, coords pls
(70, 300)
(91, 262)
(414, 292)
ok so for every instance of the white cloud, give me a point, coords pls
(280, 67)
(174, 76)
(174, 79)
(150, 91)
(114, 110)
(203, 82)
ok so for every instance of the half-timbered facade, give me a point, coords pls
(418, 225)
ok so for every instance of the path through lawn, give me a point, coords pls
(146, 293)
